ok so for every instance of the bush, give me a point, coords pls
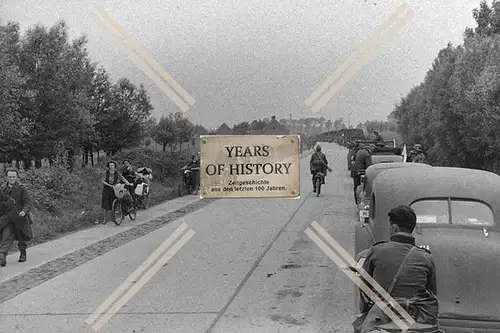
(164, 165)
(64, 202)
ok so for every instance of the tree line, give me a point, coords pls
(455, 111)
(56, 103)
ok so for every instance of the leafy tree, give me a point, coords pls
(15, 131)
(165, 131)
(242, 128)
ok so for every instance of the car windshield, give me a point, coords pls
(462, 212)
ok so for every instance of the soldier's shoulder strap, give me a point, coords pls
(380, 242)
(424, 248)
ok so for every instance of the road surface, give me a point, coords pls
(248, 268)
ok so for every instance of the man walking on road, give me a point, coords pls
(19, 227)
(405, 271)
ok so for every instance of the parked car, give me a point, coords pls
(458, 218)
(364, 191)
(386, 154)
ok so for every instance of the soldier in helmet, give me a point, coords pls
(318, 163)
(418, 155)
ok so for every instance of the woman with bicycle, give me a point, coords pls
(111, 178)
(131, 176)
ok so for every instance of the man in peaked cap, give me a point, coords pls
(415, 284)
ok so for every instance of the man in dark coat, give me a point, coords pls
(415, 284)
(19, 227)
(362, 161)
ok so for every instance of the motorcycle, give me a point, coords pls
(319, 178)
(187, 179)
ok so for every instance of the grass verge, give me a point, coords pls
(65, 202)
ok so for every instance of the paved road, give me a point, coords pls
(248, 268)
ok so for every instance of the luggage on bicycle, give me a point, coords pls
(120, 190)
(142, 189)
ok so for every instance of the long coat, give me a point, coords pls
(6, 205)
(22, 203)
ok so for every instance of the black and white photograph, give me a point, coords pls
(250, 166)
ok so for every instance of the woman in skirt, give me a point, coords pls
(111, 178)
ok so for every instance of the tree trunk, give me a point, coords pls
(27, 163)
(70, 158)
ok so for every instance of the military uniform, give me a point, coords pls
(416, 281)
(318, 163)
(418, 158)
(362, 161)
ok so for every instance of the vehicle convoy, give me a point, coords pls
(364, 190)
(347, 135)
(387, 155)
(383, 154)
(458, 217)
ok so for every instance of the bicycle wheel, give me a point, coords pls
(132, 213)
(117, 212)
(145, 202)
(318, 186)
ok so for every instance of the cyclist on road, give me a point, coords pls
(318, 163)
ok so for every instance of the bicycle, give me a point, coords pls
(117, 207)
(318, 181)
(142, 194)
(187, 179)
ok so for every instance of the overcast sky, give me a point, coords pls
(248, 59)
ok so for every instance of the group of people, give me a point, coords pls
(15, 217)
(405, 271)
(128, 176)
(362, 160)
